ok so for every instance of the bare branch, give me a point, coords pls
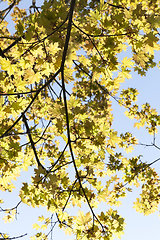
(10, 238)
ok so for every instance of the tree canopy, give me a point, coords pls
(60, 74)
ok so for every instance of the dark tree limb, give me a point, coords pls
(2, 53)
(66, 109)
(31, 141)
(12, 45)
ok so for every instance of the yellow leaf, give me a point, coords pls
(83, 219)
(68, 231)
(8, 218)
(53, 48)
(138, 125)
(41, 219)
(7, 66)
(36, 226)
(44, 227)
(33, 238)
(126, 62)
(32, 77)
(110, 151)
(129, 149)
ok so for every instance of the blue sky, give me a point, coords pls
(138, 227)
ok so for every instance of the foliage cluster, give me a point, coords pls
(67, 135)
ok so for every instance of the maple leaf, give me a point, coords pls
(32, 77)
(6, 65)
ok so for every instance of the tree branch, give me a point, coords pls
(66, 108)
(10, 238)
(31, 141)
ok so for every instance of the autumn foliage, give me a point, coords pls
(60, 74)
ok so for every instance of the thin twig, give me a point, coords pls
(10, 238)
